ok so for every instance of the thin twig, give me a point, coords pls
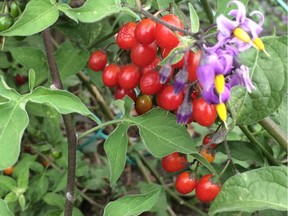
(228, 152)
(69, 128)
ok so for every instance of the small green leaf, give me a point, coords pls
(116, 147)
(22, 201)
(7, 183)
(269, 75)
(63, 101)
(23, 178)
(174, 56)
(125, 105)
(162, 135)
(95, 10)
(54, 199)
(203, 161)
(260, 189)
(163, 4)
(37, 16)
(32, 78)
(38, 187)
(4, 210)
(132, 205)
(12, 126)
(70, 60)
(194, 19)
(7, 92)
(65, 9)
(11, 197)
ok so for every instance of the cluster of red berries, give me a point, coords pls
(206, 189)
(150, 42)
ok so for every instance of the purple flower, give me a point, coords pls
(180, 80)
(185, 109)
(165, 73)
(241, 77)
(212, 97)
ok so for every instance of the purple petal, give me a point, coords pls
(240, 13)
(205, 74)
(241, 77)
(184, 112)
(251, 26)
(180, 81)
(225, 25)
(212, 97)
(165, 73)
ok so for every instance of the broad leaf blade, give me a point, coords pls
(4, 210)
(37, 16)
(133, 204)
(162, 135)
(260, 189)
(13, 122)
(116, 147)
(63, 101)
(7, 92)
(95, 10)
(269, 75)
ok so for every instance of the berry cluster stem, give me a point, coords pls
(70, 131)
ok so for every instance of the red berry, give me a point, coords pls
(165, 37)
(145, 31)
(207, 139)
(126, 37)
(110, 75)
(151, 66)
(204, 113)
(207, 189)
(143, 104)
(185, 183)
(193, 62)
(129, 77)
(97, 60)
(143, 55)
(121, 93)
(20, 80)
(166, 98)
(174, 162)
(150, 83)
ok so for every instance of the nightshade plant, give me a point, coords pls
(204, 99)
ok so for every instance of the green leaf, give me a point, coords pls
(65, 9)
(7, 183)
(125, 105)
(260, 189)
(22, 201)
(194, 19)
(4, 210)
(162, 135)
(163, 4)
(203, 161)
(244, 152)
(38, 187)
(132, 205)
(95, 10)
(32, 78)
(23, 178)
(37, 16)
(13, 122)
(70, 60)
(11, 197)
(223, 9)
(8, 92)
(269, 75)
(54, 199)
(174, 56)
(63, 101)
(116, 147)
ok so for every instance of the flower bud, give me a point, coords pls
(165, 73)
(180, 81)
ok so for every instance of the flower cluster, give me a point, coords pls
(219, 68)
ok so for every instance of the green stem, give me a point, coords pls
(253, 140)
(276, 132)
(174, 195)
(115, 121)
(208, 10)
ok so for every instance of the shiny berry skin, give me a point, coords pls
(164, 37)
(150, 83)
(56, 153)
(20, 80)
(121, 93)
(151, 66)
(129, 77)
(8, 171)
(98, 60)
(193, 62)
(179, 64)
(145, 31)
(110, 75)
(143, 104)
(206, 189)
(204, 113)
(142, 55)
(185, 183)
(174, 162)
(6, 21)
(166, 98)
(126, 38)
(207, 139)
(209, 154)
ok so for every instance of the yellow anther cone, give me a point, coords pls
(222, 112)
(241, 35)
(260, 45)
(219, 83)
